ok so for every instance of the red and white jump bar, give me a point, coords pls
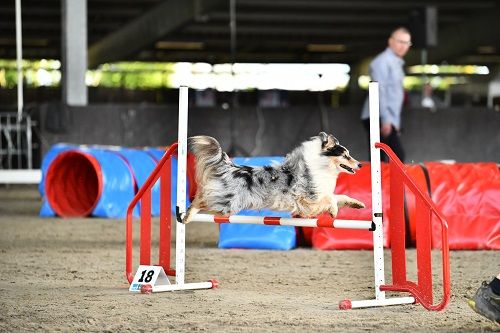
(322, 221)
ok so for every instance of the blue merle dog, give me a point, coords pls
(303, 184)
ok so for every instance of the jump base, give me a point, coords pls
(348, 304)
(147, 289)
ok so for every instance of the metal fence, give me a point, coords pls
(16, 145)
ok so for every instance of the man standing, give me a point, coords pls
(387, 69)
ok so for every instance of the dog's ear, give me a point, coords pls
(328, 141)
(324, 138)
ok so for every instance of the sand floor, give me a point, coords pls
(68, 275)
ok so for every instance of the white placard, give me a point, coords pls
(152, 275)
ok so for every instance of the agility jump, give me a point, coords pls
(421, 291)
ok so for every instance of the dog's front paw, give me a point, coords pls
(356, 204)
(333, 212)
(184, 218)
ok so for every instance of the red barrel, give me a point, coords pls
(73, 185)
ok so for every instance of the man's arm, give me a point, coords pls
(379, 71)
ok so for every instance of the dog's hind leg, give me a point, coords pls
(343, 200)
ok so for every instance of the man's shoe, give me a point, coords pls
(486, 303)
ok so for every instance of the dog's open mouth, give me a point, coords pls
(351, 170)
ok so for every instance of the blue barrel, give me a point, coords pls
(156, 152)
(142, 164)
(253, 236)
(89, 181)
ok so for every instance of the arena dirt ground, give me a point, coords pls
(68, 275)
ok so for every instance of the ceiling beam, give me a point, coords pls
(41, 24)
(250, 57)
(278, 41)
(479, 59)
(364, 4)
(290, 30)
(317, 18)
(31, 53)
(145, 30)
(460, 39)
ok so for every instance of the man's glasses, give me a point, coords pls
(404, 42)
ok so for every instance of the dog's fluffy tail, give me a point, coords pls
(208, 153)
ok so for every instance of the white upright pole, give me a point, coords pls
(180, 240)
(378, 234)
(376, 178)
(19, 59)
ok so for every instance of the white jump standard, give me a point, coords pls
(156, 280)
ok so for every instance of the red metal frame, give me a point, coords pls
(425, 208)
(422, 291)
(162, 172)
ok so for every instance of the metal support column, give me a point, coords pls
(74, 52)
